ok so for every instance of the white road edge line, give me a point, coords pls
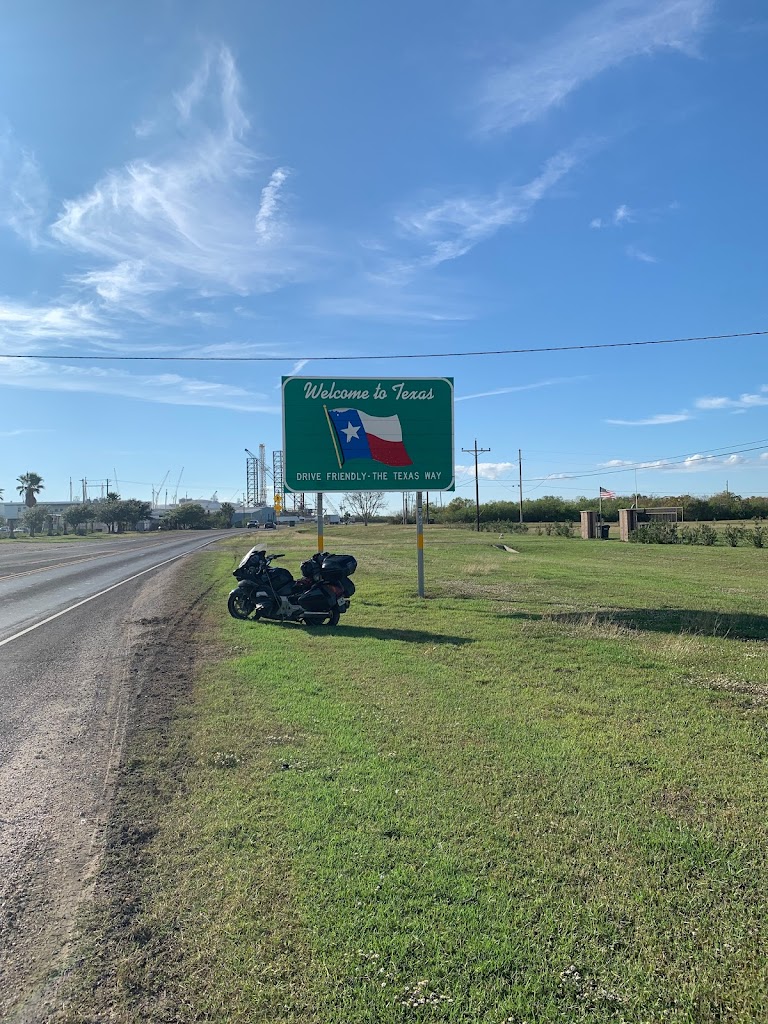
(93, 597)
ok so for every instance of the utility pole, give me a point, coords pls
(520, 474)
(476, 451)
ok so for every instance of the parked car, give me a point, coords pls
(270, 526)
(252, 525)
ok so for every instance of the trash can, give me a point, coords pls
(603, 531)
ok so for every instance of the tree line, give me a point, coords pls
(553, 509)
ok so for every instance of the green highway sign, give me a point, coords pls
(376, 434)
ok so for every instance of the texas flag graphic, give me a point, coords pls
(357, 435)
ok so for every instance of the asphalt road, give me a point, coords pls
(71, 619)
(38, 581)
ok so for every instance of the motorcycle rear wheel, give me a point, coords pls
(239, 606)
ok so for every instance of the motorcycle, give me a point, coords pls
(265, 591)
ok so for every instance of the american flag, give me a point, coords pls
(605, 493)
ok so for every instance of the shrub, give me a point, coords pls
(504, 526)
(758, 535)
(707, 535)
(557, 529)
(655, 533)
(733, 535)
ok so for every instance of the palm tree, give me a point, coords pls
(30, 485)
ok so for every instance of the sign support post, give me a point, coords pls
(320, 541)
(420, 544)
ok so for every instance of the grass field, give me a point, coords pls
(539, 795)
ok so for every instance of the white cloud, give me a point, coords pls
(622, 215)
(266, 218)
(653, 421)
(164, 388)
(187, 218)
(23, 191)
(632, 464)
(701, 463)
(691, 464)
(594, 42)
(743, 402)
(487, 470)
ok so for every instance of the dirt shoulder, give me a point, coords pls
(64, 964)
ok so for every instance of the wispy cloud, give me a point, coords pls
(603, 38)
(23, 191)
(636, 253)
(743, 402)
(164, 388)
(59, 321)
(186, 218)
(31, 430)
(383, 299)
(653, 421)
(621, 215)
(452, 227)
(519, 387)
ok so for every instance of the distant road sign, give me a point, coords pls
(368, 434)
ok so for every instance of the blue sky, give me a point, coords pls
(298, 180)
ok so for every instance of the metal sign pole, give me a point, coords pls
(320, 547)
(420, 543)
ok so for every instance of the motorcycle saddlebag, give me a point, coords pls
(310, 569)
(315, 600)
(347, 586)
(281, 580)
(344, 565)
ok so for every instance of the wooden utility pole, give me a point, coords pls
(520, 472)
(476, 451)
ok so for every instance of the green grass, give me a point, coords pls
(539, 795)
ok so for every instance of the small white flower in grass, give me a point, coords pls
(225, 759)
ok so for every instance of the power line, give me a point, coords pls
(314, 357)
(647, 464)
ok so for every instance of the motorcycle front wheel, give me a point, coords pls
(239, 606)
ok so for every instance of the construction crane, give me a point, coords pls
(156, 493)
(176, 492)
